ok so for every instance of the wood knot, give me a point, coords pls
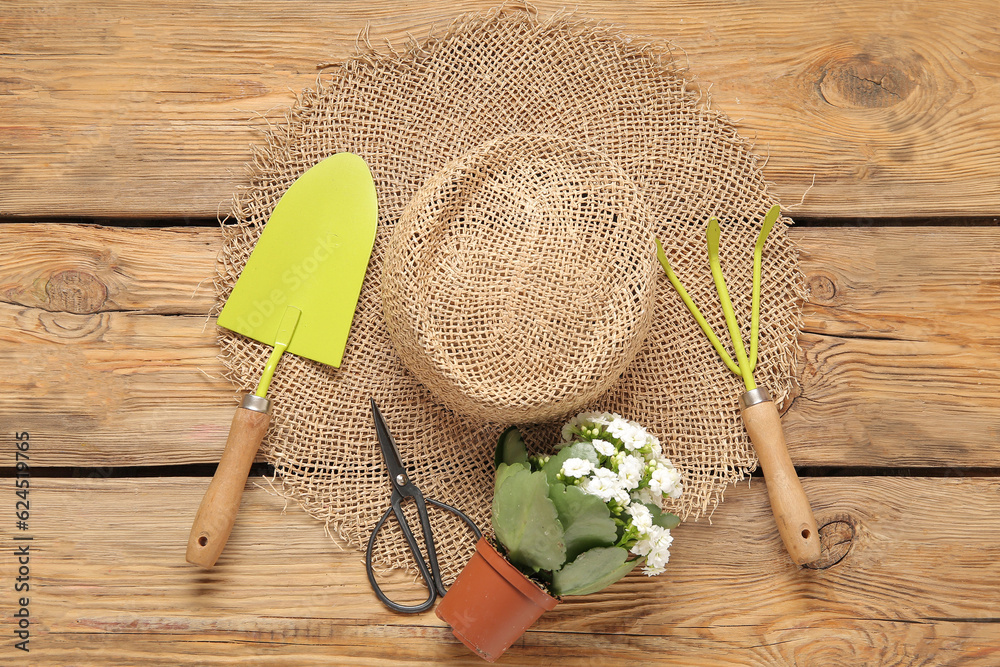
(75, 292)
(822, 288)
(863, 82)
(836, 535)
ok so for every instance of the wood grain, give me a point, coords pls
(86, 269)
(901, 342)
(874, 108)
(284, 594)
(904, 284)
(84, 380)
(109, 330)
(900, 363)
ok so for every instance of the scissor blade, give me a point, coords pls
(393, 462)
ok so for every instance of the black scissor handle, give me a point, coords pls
(432, 592)
(430, 571)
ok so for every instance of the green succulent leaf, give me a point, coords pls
(525, 520)
(663, 519)
(592, 571)
(510, 448)
(504, 471)
(586, 520)
(578, 450)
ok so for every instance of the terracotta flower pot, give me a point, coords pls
(491, 603)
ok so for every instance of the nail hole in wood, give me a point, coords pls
(203, 540)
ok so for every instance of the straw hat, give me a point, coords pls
(523, 168)
(517, 284)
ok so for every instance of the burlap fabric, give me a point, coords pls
(411, 113)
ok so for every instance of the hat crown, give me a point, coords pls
(518, 282)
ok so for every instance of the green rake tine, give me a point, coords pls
(699, 318)
(727, 305)
(758, 251)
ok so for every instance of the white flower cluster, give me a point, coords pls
(655, 546)
(631, 476)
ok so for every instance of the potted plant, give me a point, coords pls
(570, 523)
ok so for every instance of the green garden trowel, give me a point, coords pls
(297, 293)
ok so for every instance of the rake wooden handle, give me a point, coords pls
(796, 523)
(217, 513)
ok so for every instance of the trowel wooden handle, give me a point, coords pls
(218, 509)
(796, 523)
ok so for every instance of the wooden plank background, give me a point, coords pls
(284, 595)
(900, 346)
(143, 111)
(138, 117)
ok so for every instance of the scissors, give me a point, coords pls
(403, 487)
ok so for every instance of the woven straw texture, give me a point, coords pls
(412, 113)
(518, 284)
